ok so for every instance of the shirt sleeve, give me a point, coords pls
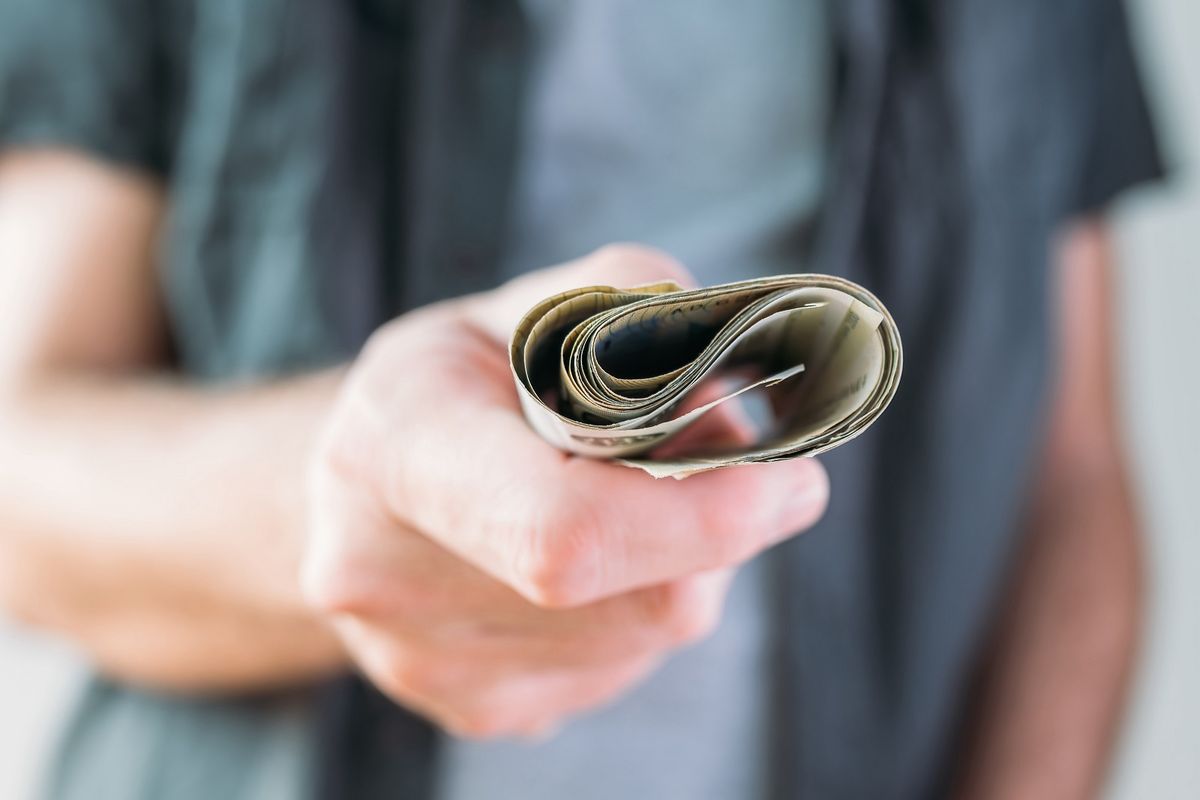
(1121, 149)
(84, 74)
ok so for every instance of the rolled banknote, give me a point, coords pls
(607, 373)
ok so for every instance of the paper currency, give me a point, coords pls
(607, 373)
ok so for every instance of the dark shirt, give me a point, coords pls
(330, 164)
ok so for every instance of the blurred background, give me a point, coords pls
(1159, 238)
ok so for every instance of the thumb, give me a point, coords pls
(620, 265)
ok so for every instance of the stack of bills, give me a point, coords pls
(607, 373)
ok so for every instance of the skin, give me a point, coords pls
(471, 571)
(1052, 691)
(109, 465)
(483, 577)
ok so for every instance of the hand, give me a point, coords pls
(489, 581)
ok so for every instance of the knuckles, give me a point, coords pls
(420, 676)
(354, 585)
(332, 588)
(444, 682)
(683, 612)
(557, 561)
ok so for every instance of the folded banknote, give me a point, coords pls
(616, 373)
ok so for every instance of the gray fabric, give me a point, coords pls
(347, 160)
(697, 127)
(693, 731)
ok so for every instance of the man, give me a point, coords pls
(227, 502)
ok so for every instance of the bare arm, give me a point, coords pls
(472, 571)
(156, 524)
(1054, 689)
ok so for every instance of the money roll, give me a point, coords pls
(607, 373)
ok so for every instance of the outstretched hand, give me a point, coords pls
(489, 581)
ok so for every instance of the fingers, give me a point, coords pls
(453, 606)
(646, 622)
(400, 581)
(499, 697)
(531, 705)
(567, 531)
(438, 516)
(469, 652)
(461, 465)
(564, 531)
(621, 265)
(612, 529)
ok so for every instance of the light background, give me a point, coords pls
(1159, 306)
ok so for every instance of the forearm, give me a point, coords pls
(159, 526)
(1053, 692)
